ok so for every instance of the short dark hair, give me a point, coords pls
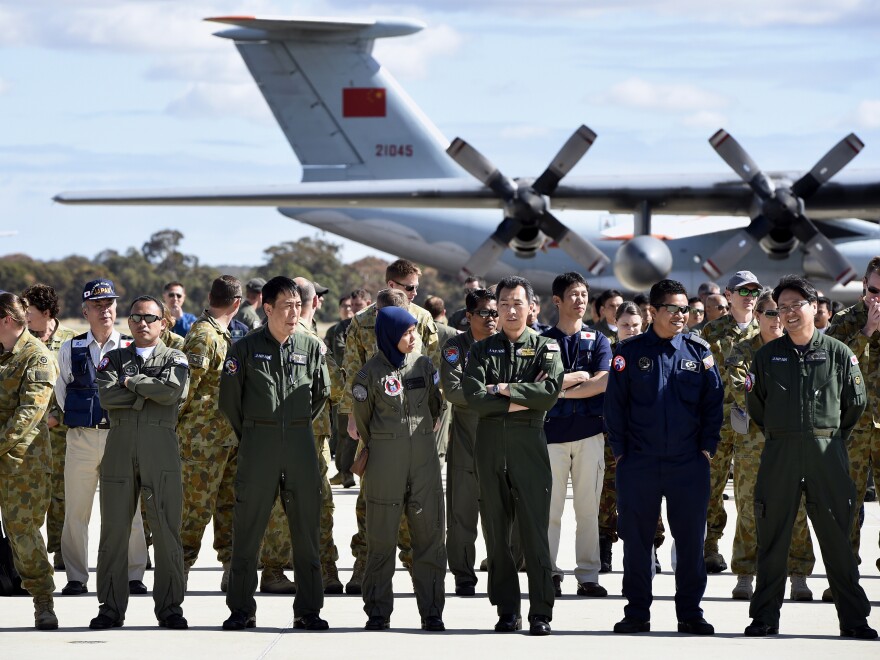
(641, 299)
(627, 307)
(607, 295)
(665, 288)
(435, 306)
(824, 300)
(795, 283)
(151, 299)
(513, 281)
(473, 299)
(401, 268)
(361, 294)
(695, 299)
(171, 284)
(873, 267)
(43, 297)
(343, 299)
(562, 282)
(224, 291)
(278, 285)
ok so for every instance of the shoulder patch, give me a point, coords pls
(618, 363)
(196, 360)
(359, 392)
(709, 362)
(44, 359)
(697, 339)
(749, 382)
(180, 360)
(588, 334)
(451, 354)
(231, 367)
(853, 360)
(552, 346)
(103, 364)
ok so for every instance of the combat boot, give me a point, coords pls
(336, 479)
(58, 561)
(714, 560)
(274, 581)
(605, 554)
(330, 576)
(44, 613)
(743, 589)
(224, 579)
(357, 577)
(799, 589)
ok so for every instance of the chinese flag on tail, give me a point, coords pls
(363, 102)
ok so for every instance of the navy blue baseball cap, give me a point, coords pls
(98, 289)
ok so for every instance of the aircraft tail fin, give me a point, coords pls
(343, 114)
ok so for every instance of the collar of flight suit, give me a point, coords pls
(651, 337)
(815, 340)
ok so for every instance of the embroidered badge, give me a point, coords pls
(130, 369)
(709, 362)
(262, 356)
(552, 346)
(618, 363)
(780, 358)
(853, 360)
(586, 334)
(858, 380)
(196, 360)
(103, 364)
(529, 352)
(230, 367)
(451, 354)
(749, 382)
(392, 386)
(645, 363)
(359, 392)
(689, 365)
(180, 360)
(299, 358)
(44, 359)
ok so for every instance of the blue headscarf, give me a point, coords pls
(391, 323)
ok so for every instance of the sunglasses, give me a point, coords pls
(149, 318)
(770, 313)
(672, 309)
(406, 287)
(745, 293)
(718, 307)
(696, 311)
(174, 295)
(873, 290)
(487, 313)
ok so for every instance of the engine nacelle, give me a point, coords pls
(779, 244)
(527, 242)
(642, 261)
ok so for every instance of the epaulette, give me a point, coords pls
(697, 340)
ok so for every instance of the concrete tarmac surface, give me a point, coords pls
(581, 626)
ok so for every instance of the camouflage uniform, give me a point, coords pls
(27, 373)
(747, 451)
(864, 444)
(208, 445)
(360, 345)
(58, 441)
(721, 334)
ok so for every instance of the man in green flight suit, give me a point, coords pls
(274, 384)
(511, 380)
(806, 393)
(141, 387)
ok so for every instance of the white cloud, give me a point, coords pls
(705, 119)
(868, 114)
(202, 100)
(670, 97)
(410, 58)
(524, 132)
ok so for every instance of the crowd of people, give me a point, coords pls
(234, 416)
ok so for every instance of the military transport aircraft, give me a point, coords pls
(377, 171)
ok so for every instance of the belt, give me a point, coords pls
(251, 423)
(506, 421)
(134, 421)
(102, 425)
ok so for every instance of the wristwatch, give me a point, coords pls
(493, 389)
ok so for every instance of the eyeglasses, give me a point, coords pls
(769, 313)
(174, 295)
(873, 290)
(487, 313)
(672, 309)
(696, 311)
(149, 318)
(406, 287)
(754, 293)
(793, 307)
(718, 307)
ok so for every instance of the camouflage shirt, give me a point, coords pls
(846, 326)
(737, 366)
(361, 345)
(61, 334)
(27, 373)
(205, 346)
(721, 334)
(172, 339)
(321, 424)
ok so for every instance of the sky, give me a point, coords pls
(103, 94)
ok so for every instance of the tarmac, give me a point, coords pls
(581, 626)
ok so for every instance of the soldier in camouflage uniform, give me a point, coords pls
(360, 345)
(721, 334)
(42, 320)
(27, 372)
(208, 445)
(859, 328)
(748, 443)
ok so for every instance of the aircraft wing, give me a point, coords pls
(855, 196)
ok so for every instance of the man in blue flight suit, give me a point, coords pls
(663, 410)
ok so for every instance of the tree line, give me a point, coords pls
(145, 270)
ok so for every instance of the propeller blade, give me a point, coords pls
(739, 160)
(481, 168)
(817, 244)
(830, 164)
(579, 249)
(736, 248)
(572, 151)
(485, 256)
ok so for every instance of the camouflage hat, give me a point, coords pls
(98, 289)
(256, 284)
(320, 289)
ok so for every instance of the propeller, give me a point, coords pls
(782, 207)
(526, 204)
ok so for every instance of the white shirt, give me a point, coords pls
(96, 351)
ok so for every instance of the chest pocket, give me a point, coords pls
(689, 384)
(826, 393)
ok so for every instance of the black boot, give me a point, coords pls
(605, 554)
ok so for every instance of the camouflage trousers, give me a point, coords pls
(608, 503)
(24, 498)
(864, 452)
(208, 474)
(719, 473)
(277, 550)
(55, 514)
(359, 540)
(744, 561)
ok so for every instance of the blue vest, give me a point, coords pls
(81, 405)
